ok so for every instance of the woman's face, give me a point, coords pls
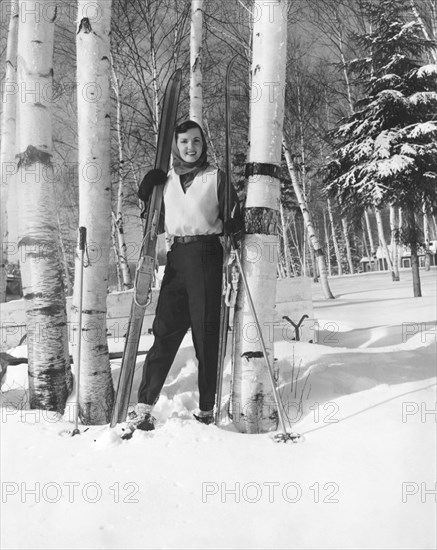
(190, 144)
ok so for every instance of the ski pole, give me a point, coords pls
(81, 247)
(285, 436)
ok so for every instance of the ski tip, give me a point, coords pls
(287, 437)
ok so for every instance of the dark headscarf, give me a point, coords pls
(188, 170)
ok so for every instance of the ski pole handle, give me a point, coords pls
(82, 238)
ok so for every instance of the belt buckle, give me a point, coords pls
(185, 239)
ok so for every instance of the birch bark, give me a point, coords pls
(93, 76)
(312, 235)
(38, 239)
(196, 86)
(253, 407)
(8, 163)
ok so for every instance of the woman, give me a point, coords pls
(190, 294)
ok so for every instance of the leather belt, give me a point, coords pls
(186, 239)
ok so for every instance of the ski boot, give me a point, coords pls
(139, 419)
(204, 417)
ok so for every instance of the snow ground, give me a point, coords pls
(364, 476)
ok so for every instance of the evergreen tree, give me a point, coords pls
(386, 151)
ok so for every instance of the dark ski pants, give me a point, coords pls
(190, 295)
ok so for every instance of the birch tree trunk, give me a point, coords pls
(295, 239)
(252, 403)
(371, 241)
(410, 220)
(427, 239)
(93, 76)
(383, 242)
(303, 163)
(313, 261)
(41, 269)
(366, 250)
(334, 240)
(394, 229)
(312, 236)
(8, 163)
(304, 254)
(347, 245)
(196, 86)
(121, 257)
(116, 254)
(328, 250)
(285, 241)
(64, 257)
(423, 27)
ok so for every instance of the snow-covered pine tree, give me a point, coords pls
(93, 77)
(386, 151)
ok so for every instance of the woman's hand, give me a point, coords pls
(151, 179)
(234, 227)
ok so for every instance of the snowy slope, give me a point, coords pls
(363, 476)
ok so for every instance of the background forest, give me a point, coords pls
(150, 38)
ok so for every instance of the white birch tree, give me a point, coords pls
(309, 225)
(253, 407)
(383, 243)
(286, 244)
(41, 269)
(328, 248)
(334, 239)
(394, 241)
(347, 244)
(196, 86)
(426, 237)
(369, 233)
(429, 36)
(93, 77)
(8, 163)
(118, 221)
